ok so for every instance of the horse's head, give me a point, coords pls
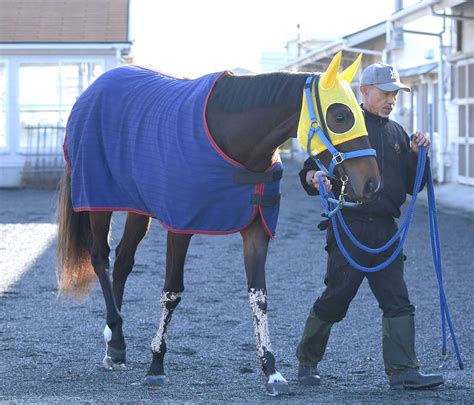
(332, 130)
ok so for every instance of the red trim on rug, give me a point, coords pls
(190, 231)
(265, 225)
(113, 209)
(169, 228)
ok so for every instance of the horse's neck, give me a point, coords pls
(252, 137)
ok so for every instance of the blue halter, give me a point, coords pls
(315, 128)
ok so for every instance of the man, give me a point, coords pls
(373, 225)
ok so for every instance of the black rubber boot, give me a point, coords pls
(413, 379)
(308, 375)
(401, 364)
(311, 348)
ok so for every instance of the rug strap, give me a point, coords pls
(265, 201)
(256, 178)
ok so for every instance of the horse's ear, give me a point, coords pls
(350, 72)
(329, 77)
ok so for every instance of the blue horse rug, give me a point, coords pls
(138, 141)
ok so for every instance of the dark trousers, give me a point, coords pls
(343, 281)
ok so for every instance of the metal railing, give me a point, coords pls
(44, 161)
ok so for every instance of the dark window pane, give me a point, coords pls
(461, 78)
(471, 121)
(471, 161)
(462, 159)
(459, 35)
(470, 78)
(462, 120)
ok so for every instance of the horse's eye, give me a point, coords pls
(339, 118)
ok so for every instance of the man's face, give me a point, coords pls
(378, 102)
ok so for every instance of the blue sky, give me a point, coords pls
(192, 38)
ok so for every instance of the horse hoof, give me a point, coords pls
(156, 380)
(278, 388)
(109, 364)
(277, 385)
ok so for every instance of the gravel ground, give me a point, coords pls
(51, 349)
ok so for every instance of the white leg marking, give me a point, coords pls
(107, 334)
(276, 377)
(258, 305)
(107, 362)
(107, 338)
(168, 304)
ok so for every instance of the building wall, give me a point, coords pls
(467, 9)
(419, 49)
(461, 135)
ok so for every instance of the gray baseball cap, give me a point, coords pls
(384, 77)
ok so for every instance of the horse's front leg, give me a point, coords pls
(255, 254)
(177, 248)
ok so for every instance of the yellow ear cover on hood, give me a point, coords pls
(340, 92)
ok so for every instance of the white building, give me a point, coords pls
(48, 55)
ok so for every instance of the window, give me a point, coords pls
(422, 114)
(48, 92)
(3, 106)
(465, 102)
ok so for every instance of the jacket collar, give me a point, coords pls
(376, 119)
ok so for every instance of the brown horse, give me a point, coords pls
(248, 117)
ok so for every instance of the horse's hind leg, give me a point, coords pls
(99, 250)
(255, 254)
(177, 248)
(136, 228)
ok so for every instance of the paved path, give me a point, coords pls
(51, 349)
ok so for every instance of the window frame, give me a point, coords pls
(5, 148)
(465, 141)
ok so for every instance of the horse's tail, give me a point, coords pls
(73, 262)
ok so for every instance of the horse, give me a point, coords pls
(113, 142)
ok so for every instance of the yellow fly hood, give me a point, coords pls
(333, 89)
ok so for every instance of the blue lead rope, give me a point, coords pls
(402, 234)
(436, 251)
(403, 231)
